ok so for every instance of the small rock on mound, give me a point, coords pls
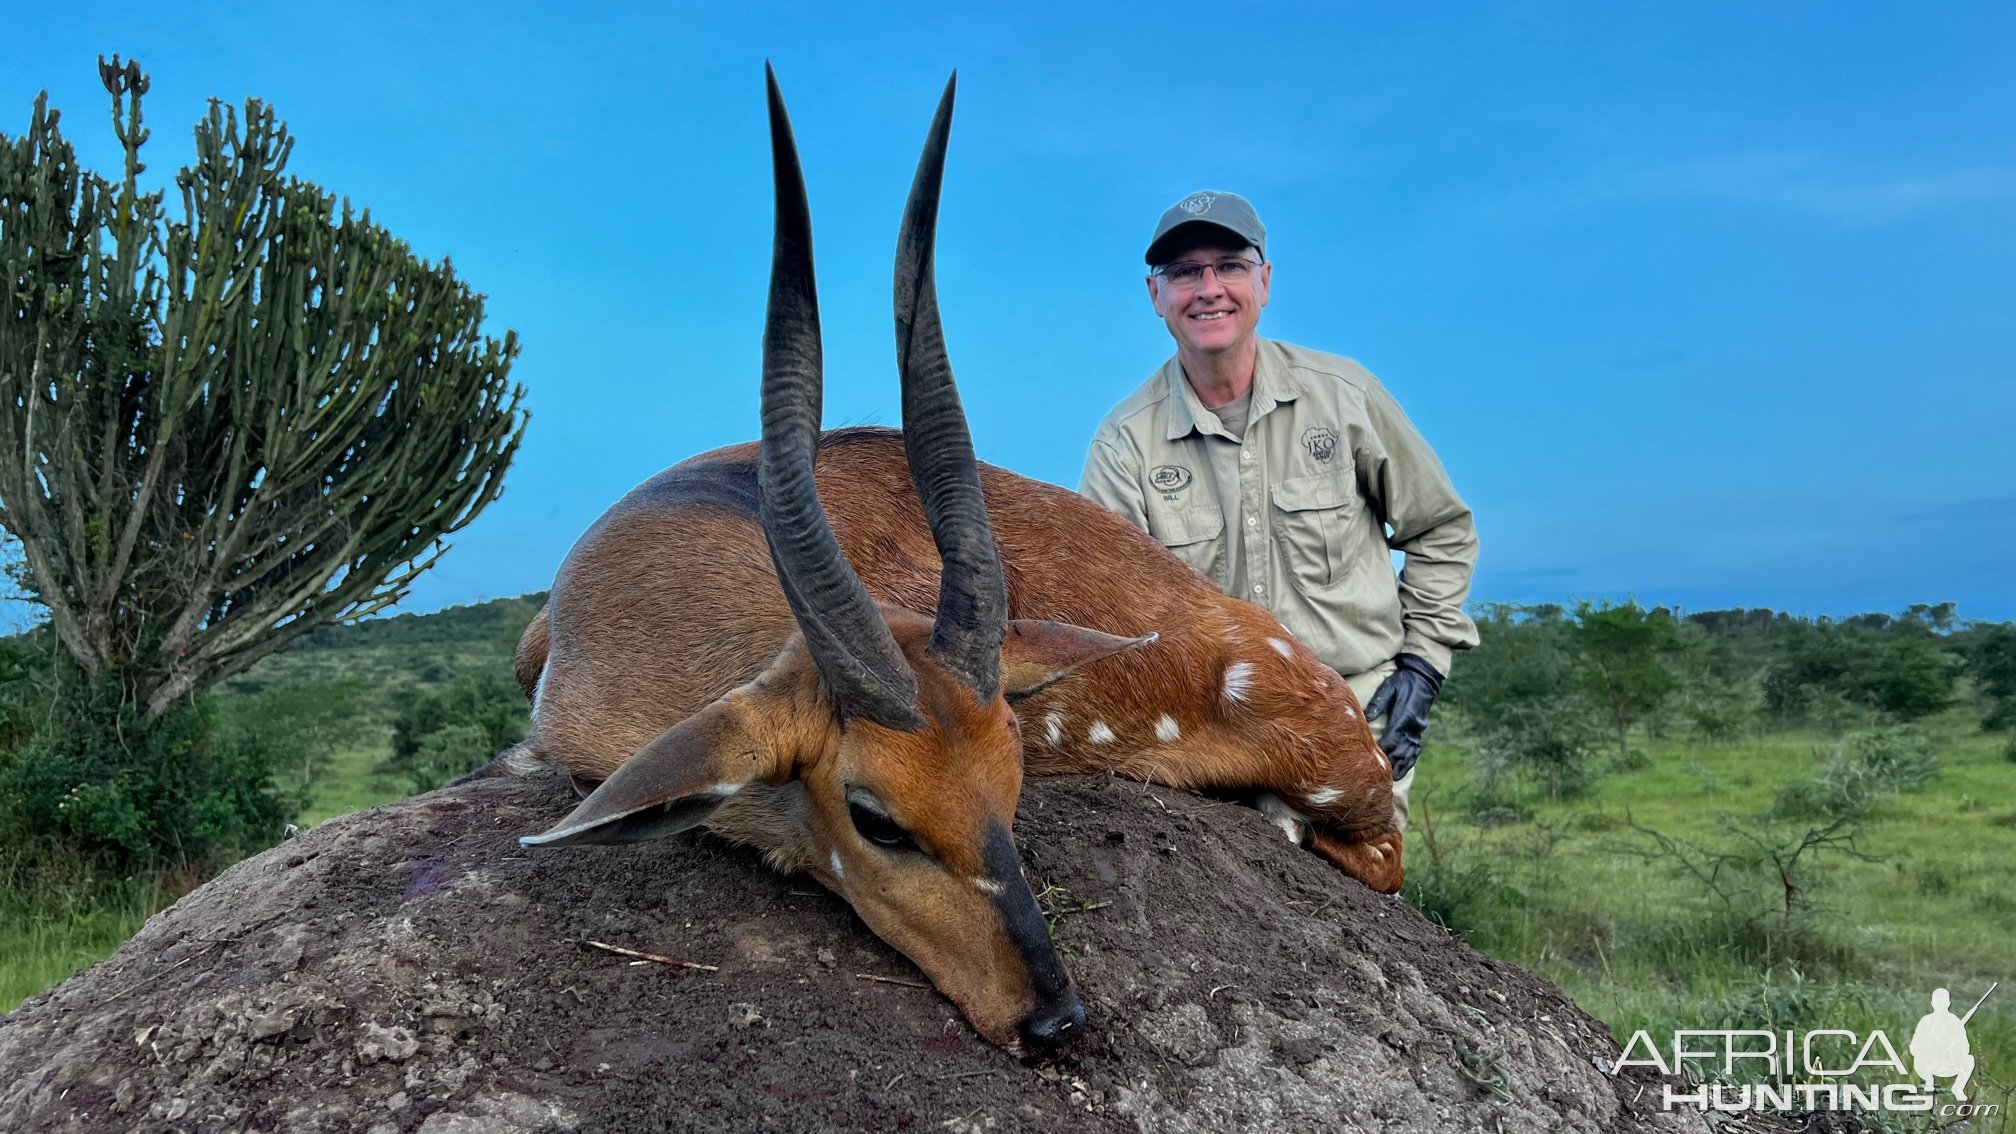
(411, 968)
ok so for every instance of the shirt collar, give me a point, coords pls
(1187, 413)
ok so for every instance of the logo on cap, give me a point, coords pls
(1194, 205)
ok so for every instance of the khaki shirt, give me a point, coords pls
(1299, 516)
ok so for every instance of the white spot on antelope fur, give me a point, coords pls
(1377, 754)
(1166, 729)
(725, 788)
(1350, 714)
(986, 885)
(1053, 726)
(838, 870)
(539, 688)
(1100, 734)
(1327, 795)
(1281, 647)
(1238, 679)
(1281, 815)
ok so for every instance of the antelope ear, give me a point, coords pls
(1037, 654)
(677, 780)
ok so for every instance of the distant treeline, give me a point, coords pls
(1552, 686)
(481, 624)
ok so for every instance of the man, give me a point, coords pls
(1286, 475)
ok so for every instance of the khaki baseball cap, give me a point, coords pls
(1209, 208)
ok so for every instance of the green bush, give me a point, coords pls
(187, 787)
(1523, 714)
(1717, 711)
(1895, 667)
(1864, 769)
(1462, 897)
(24, 676)
(1553, 745)
(440, 734)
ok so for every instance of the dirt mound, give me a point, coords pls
(410, 968)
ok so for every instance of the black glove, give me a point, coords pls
(1403, 699)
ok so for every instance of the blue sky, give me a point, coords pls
(1713, 305)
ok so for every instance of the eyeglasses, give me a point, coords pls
(1189, 273)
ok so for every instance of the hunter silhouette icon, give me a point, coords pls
(1939, 1044)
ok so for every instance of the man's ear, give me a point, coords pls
(1038, 654)
(677, 780)
(1155, 294)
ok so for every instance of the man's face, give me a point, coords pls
(1212, 316)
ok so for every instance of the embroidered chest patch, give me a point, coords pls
(1321, 443)
(1169, 479)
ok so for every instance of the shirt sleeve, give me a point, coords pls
(1112, 478)
(1429, 524)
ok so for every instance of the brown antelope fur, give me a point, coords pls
(1295, 731)
(712, 653)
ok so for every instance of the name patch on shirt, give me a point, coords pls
(1169, 479)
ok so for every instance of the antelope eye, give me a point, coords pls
(880, 829)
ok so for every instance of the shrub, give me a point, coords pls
(26, 673)
(1553, 745)
(188, 787)
(1629, 760)
(1718, 711)
(1900, 670)
(1500, 814)
(1864, 769)
(1780, 998)
(442, 733)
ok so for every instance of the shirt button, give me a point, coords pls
(1259, 588)
(1252, 521)
(1246, 455)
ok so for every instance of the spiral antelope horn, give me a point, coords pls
(864, 671)
(972, 616)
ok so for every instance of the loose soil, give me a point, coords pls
(410, 968)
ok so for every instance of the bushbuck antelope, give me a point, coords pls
(718, 648)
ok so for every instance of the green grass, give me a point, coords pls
(51, 929)
(345, 783)
(49, 932)
(1641, 946)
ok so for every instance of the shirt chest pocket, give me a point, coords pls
(1312, 527)
(1196, 534)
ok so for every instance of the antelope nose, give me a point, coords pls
(1054, 1025)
